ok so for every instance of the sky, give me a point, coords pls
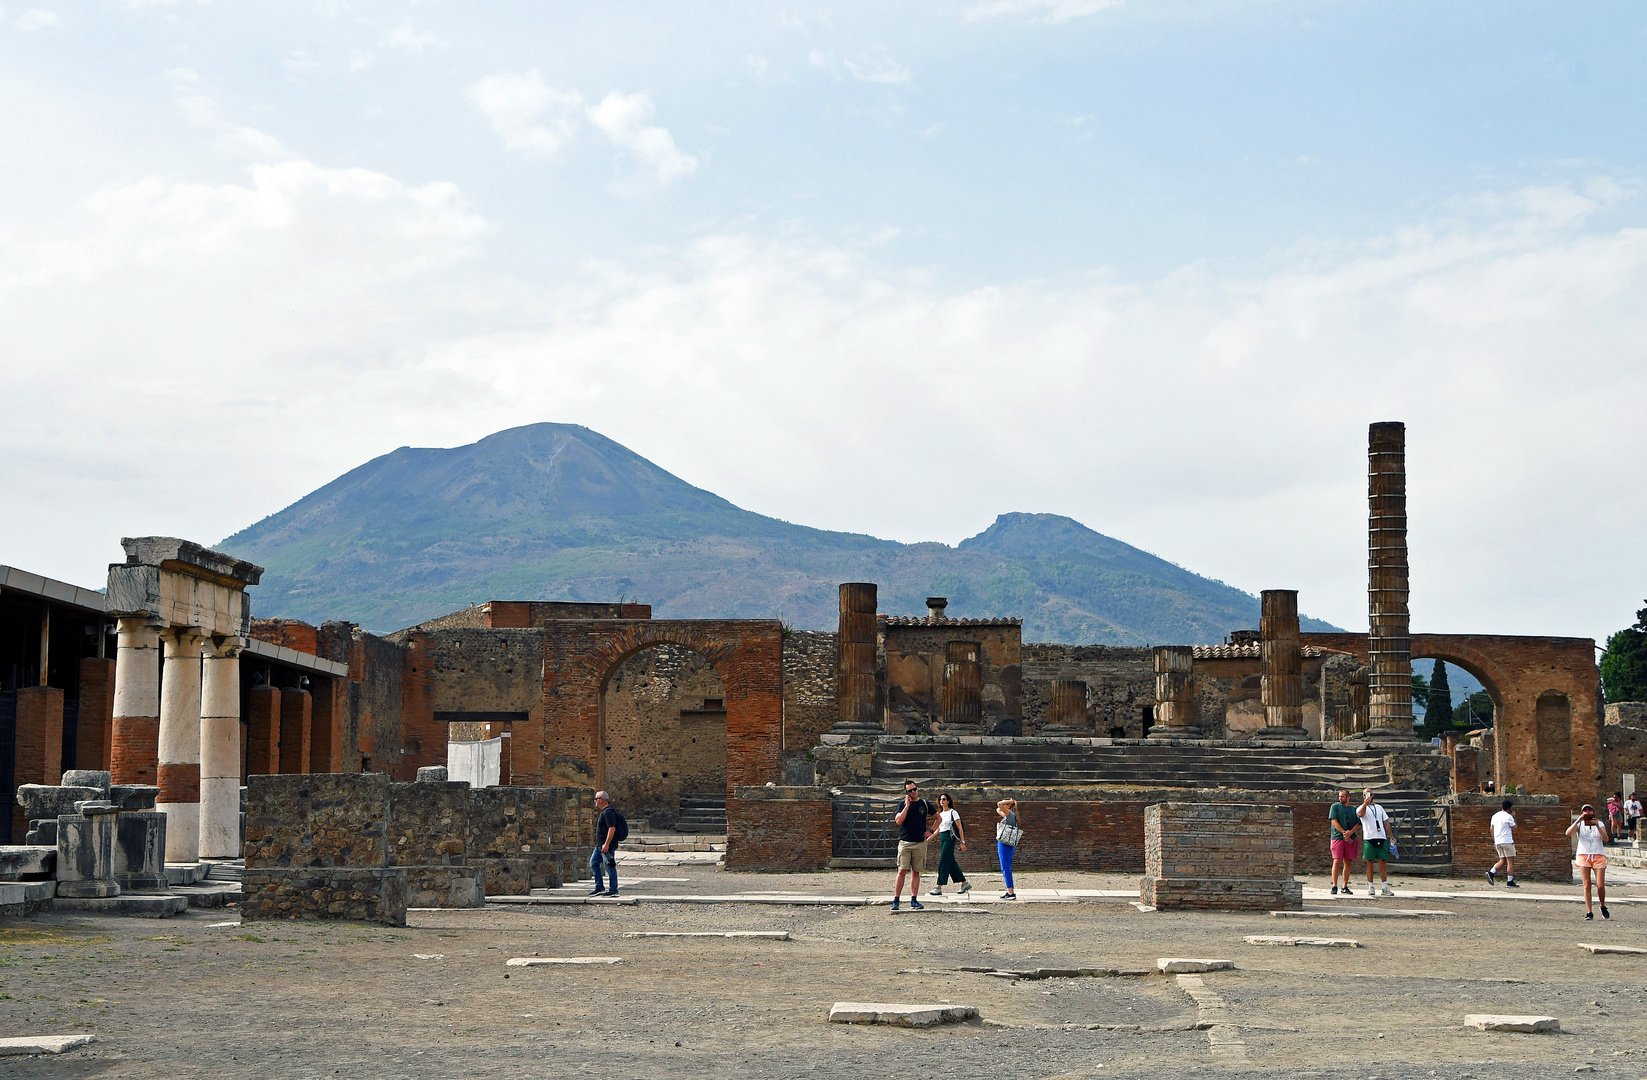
(892, 269)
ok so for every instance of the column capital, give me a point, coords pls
(221, 647)
(183, 638)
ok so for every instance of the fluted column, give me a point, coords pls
(1281, 684)
(220, 748)
(1175, 693)
(179, 764)
(1068, 712)
(1389, 640)
(136, 736)
(855, 661)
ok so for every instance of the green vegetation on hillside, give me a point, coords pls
(559, 512)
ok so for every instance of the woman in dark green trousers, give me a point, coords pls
(950, 835)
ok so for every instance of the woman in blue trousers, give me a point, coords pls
(1007, 829)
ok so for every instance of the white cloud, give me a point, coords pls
(530, 116)
(757, 64)
(37, 19)
(877, 69)
(1051, 11)
(622, 118)
(410, 39)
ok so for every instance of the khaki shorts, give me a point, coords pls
(1505, 851)
(912, 855)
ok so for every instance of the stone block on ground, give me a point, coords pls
(555, 961)
(1177, 965)
(1319, 942)
(1612, 950)
(1532, 1025)
(92, 778)
(135, 905)
(43, 1044)
(899, 1015)
(45, 801)
(771, 935)
(319, 892)
(444, 887)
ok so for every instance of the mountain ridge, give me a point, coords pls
(559, 511)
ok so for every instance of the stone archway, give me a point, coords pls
(564, 746)
(663, 732)
(1516, 672)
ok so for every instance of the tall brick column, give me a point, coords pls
(1175, 693)
(95, 734)
(855, 661)
(220, 748)
(263, 731)
(296, 720)
(1281, 684)
(133, 751)
(1389, 644)
(39, 744)
(179, 757)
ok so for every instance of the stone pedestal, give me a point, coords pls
(140, 851)
(1219, 856)
(85, 851)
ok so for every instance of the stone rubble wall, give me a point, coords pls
(1120, 685)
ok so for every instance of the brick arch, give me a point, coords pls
(581, 655)
(1515, 670)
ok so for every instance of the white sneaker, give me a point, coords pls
(1387, 891)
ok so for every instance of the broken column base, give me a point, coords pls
(140, 851)
(1282, 735)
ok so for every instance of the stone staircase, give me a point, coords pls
(702, 814)
(933, 763)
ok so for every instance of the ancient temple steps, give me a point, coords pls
(702, 814)
(1035, 764)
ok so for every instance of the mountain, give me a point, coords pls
(559, 512)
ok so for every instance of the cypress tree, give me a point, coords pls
(1440, 704)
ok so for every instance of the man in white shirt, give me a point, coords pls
(1375, 840)
(1632, 813)
(1504, 840)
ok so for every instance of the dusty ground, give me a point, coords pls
(187, 997)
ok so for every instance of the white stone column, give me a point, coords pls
(179, 764)
(132, 755)
(220, 748)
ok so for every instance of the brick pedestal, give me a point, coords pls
(1225, 856)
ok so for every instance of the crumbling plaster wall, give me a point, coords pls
(915, 659)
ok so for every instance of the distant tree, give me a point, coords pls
(1440, 703)
(1421, 697)
(1624, 664)
(1475, 711)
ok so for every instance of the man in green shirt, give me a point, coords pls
(1343, 825)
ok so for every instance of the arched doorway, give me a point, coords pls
(663, 736)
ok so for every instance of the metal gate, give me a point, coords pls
(1423, 835)
(865, 829)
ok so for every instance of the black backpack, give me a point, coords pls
(623, 827)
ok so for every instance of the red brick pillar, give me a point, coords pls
(296, 717)
(39, 743)
(96, 732)
(263, 731)
(324, 738)
(134, 750)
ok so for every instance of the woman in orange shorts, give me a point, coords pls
(1592, 857)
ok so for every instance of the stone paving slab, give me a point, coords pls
(898, 1015)
(1179, 965)
(1321, 942)
(1368, 913)
(139, 905)
(772, 935)
(1613, 950)
(43, 1044)
(1533, 1025)
(554, 961)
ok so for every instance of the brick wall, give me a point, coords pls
(1543, 851)
(1228, 856)
(96, 728)
(262, 730)
(287, 632)
(784, 828)
(648, 752)
(1624, 750)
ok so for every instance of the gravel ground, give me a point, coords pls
(184, 997)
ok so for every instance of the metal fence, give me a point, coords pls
(865, 829)
(1423, 835)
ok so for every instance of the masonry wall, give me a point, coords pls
(651, 758)
(1120, 686)
(95, 732)
(39, 743)
(810, 707)
(1543, 850)
(915, 660)
(1227, 856)
(783, 828)
(1624, 746)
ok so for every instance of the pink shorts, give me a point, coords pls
(1345, 849)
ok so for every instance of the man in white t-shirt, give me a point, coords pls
(1504, 840)
(1632, 813)
(1375, 840)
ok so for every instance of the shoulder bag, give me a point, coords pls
(1010, 835)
